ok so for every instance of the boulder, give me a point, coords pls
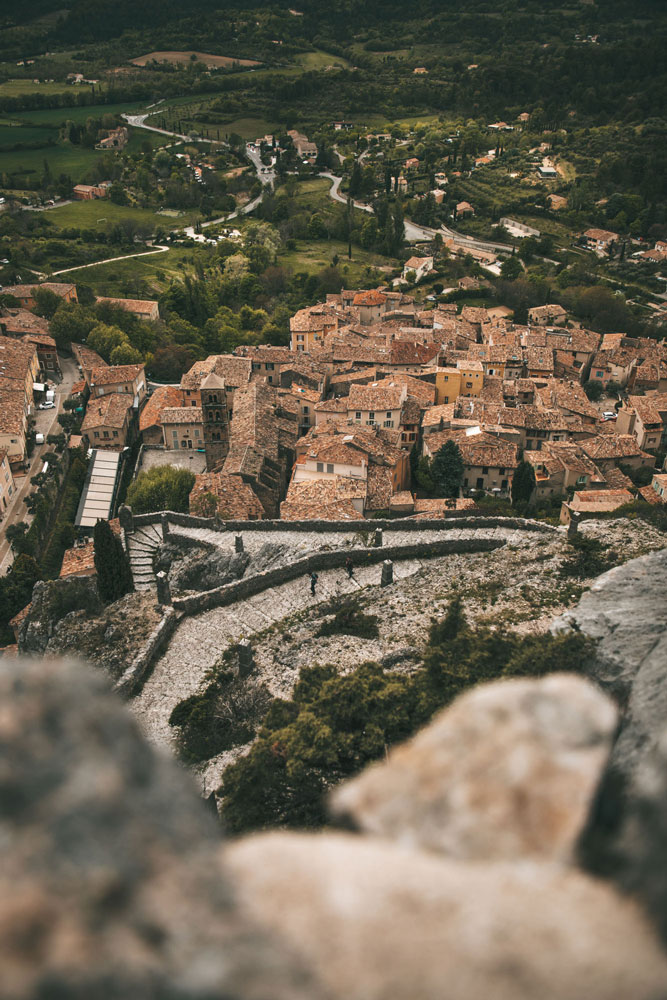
(377, 921)
(507, 771)
(110, 885)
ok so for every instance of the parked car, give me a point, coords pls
(609, 415)
(48, 405)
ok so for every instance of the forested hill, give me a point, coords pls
(85, 20)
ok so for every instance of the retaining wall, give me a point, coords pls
(239, 590)
(131, 682)
(358, 527)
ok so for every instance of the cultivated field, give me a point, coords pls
(213, 62)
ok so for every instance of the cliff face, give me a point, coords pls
(626, 611)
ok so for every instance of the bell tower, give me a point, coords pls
(216, 420)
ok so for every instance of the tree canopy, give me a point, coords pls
(161, 488)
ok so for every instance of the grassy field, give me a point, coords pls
(15, 88)
(55, 116)
(319, 60)
(101, 213)
(313, 256)
(176, 57)
(72, 160)
(10, 135)
(150, 275)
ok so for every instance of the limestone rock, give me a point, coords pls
(507, 771)
(381, 922)
(110, 884)
(626, 610)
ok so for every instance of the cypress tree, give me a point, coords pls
(523, 485)
(447, 470)
(114, 576)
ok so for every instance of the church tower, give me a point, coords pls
(216, 420)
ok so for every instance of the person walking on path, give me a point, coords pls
(313, 581)
(349, 567)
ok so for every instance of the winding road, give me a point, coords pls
(413, 232)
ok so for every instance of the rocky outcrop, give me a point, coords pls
(110, 885)
(199, 567)
(507, 772)
(626, 611)
(52, 601)
(377, 921)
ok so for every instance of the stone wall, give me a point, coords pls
(132, 680)
(394, 524)
(242, 589)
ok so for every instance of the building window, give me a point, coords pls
(371, 414)
(196, 432)
(485, 470)
(446, 399)
(504, 484)
(305, 409)
(330, 467)
(357, 415)
(468, 385)
(446, 377)
(501, 470)
(388, 413)
(320, 466)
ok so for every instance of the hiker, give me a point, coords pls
(349, 567)
(313, 581)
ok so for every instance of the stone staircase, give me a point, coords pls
(142, 546)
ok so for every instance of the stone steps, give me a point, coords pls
(142, 546)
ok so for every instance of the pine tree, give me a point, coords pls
(114, 576)
(523, 485)
(447, 470)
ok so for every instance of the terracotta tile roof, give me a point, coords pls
(142, 307)
(23, 291)
(181, 415)
(235, 498)
(16, 358)
(612, 446)
(376, 397)
(540, 358)
(87, 357)
(437, 507)
(424, 392)
(20, 617)
(479, 449)
(600, 500)
(111, 374)
(650, 409)
(20, 321)
(12, 411)
(107, 411)
(336, 405)
(313, 319)
(163, 397)
(372, 297)
(79, 560)
(600, 234)
(380, 485)
(474, 314)
(407, 353)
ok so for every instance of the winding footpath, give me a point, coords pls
(200, 639)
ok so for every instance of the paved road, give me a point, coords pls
(415, 233)
(46, 424)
